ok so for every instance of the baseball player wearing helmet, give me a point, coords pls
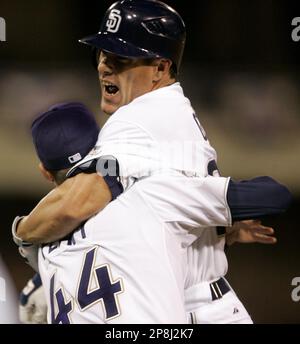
(141, 45)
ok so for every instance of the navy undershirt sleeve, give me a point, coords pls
(111, 179)
(254, 198)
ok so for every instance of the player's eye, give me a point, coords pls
(123, 60)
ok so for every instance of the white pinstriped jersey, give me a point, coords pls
(128, 263)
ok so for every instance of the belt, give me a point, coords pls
(218, 288)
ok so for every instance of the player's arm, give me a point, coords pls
(65, 208)
(215, 201)
(257, 197)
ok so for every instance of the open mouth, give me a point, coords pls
(110, 89)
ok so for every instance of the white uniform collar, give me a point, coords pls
(163, 91)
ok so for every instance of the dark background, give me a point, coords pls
(223, 34)
(241, 72)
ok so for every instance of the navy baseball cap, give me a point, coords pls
(64, 134)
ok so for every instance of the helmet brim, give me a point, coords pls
(115, 45)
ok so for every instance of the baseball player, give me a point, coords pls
(141, 44)
(74, 131)
(158, 235)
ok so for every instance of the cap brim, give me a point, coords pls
(116, 45)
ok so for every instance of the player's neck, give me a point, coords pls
(164, 82)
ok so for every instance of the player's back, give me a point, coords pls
(122, 266)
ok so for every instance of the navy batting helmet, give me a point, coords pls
(141, 29)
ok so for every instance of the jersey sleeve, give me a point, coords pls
(132, 148)
(213, 201)
(196, 202)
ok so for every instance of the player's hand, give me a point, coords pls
(33, 307)
(27, 250)
(250, 231)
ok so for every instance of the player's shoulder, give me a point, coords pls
(158, 106)
(163, 100)
(160, 115)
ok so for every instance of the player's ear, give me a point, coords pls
(46, 173)
(162, 69)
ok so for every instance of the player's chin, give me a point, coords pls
(108, 107)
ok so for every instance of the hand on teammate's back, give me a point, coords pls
(250, 231)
